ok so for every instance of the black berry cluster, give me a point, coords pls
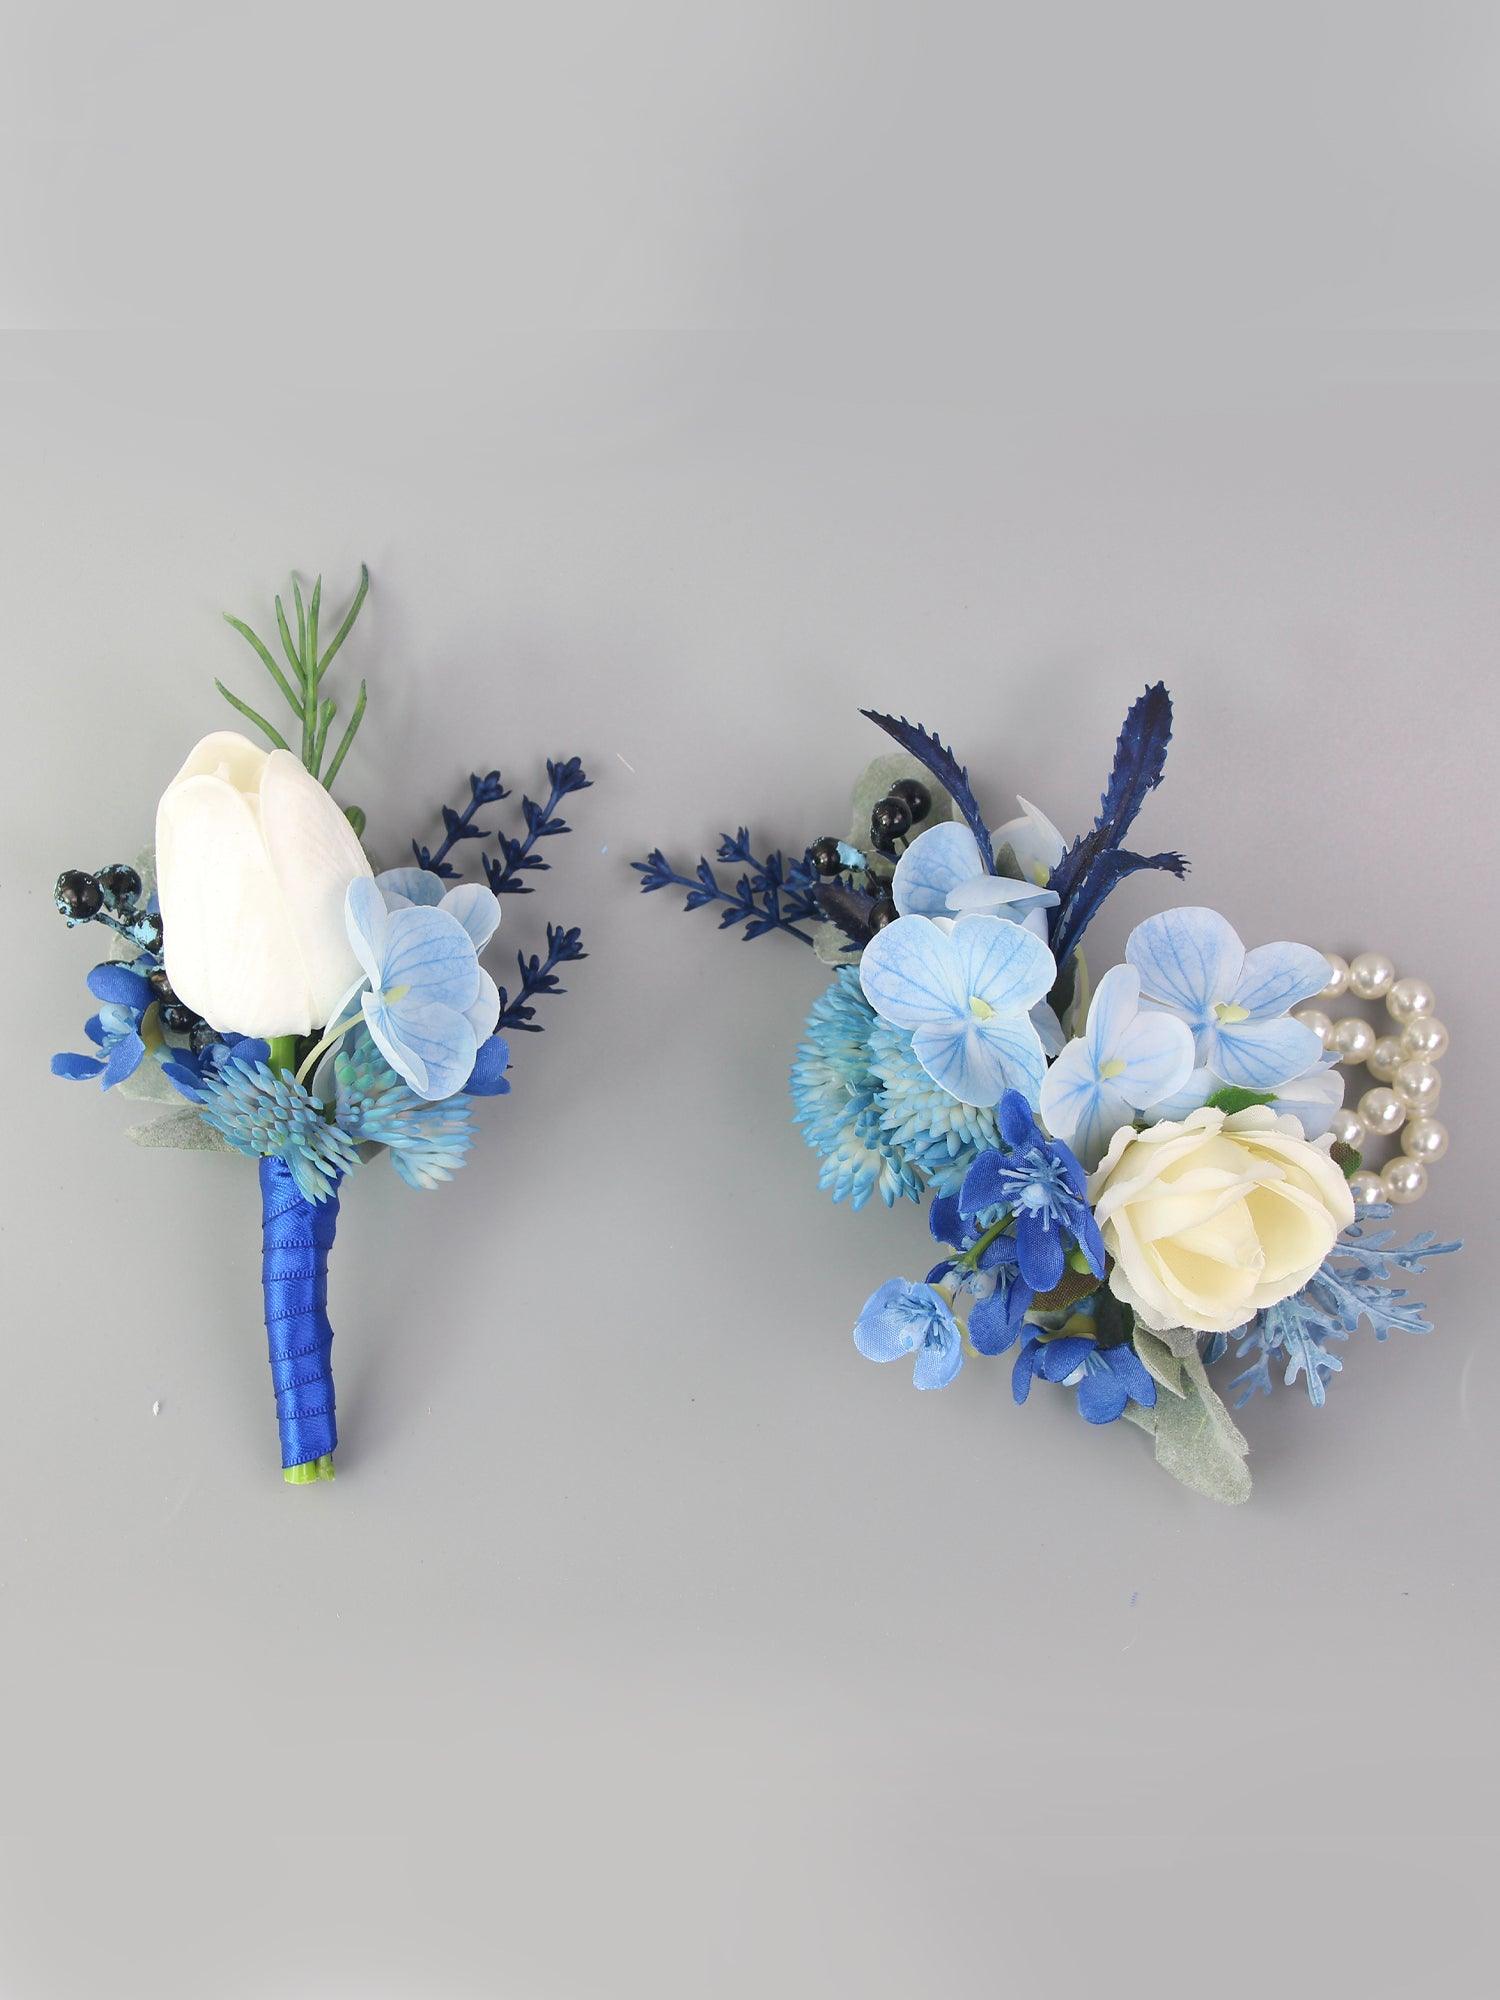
(112, 896)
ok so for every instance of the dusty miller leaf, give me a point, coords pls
(1197, 1440)
(182, 1130)
(1158, 1360)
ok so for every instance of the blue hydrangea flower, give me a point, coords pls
(1237, 1003)
(1124, 1061)
(834, 1095)
(1039, 1182)
(115, 1030)
(965, 991)
(906, 1319)
(268, 1115)
(428, 1005)
(942, 874)
(938, 1136)
(428, 1141)
(1107, 1378)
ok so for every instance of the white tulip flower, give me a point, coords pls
(253, 859)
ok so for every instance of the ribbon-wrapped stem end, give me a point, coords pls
(308, 1475)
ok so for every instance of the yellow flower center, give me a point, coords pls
(980, 1009)
(1113, 1068)
(1228, 1014)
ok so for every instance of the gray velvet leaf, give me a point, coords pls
(833, 947)
(1197, 1440)
(1158, 1360)
(182, 1130)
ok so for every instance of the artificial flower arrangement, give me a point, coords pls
(1128, 1183)
(298, 1008)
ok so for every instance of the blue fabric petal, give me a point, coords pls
(1063, 1357)
(125, 1059)
(1040, 1250)
(1279, 977)
(995, 1323)
(945, 1220)
(1000, 1250)
(939, 1358)
(1024, 1370)
(488, 1078)
(910, 976)
(932, 867)
(400, 886)
(76, 1068)
(1102, 1396)
(1188, 960)
(883, 1331)
(1258, 1055)
(982, 1185)
(1131, 1370)
(119, 984)
(93, 1027)
(184, 1079)
(1017, 1126)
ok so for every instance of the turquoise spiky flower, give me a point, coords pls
(939, 1137)
(834, 1092)
(428, 1141)
(272, 1116)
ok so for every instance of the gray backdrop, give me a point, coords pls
(650, 1642)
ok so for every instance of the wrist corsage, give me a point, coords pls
(298, 1008)
(1130, 1182)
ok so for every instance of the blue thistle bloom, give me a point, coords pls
(835, 1095)
(274, 1117)
(428, 1141)
(940, 1137)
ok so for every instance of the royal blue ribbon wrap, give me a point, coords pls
(296, 1237)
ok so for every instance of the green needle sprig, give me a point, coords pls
(301, 689)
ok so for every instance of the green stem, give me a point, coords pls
(970, 1258)
(310, 1473)
(283, 1057)
(335, 1033)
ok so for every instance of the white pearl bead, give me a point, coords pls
(1408, 998)
(1314, 1018)
(1338, 985)
(1425, 1139)
(1366, 1189)
(1349, 1129)
(1351, 1039)
(1404, 1180)
(1383, 1111)
(1418, 1085)
(1425, 1037)
(1387, 1057)
(1371, 976)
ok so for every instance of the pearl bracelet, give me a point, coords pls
(1404, 1065)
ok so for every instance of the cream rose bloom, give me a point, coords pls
(1210, 1218)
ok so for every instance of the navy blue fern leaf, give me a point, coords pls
(538, 977)
(773, 894)
(935, 756)
(457, 826)
(516, 857)
(1097, 863)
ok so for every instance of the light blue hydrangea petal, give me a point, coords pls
(1158, 1053)
(977, 1062)
(431, 1046)
(1050, 1030)
(476, 908)
(910, 975)
(1116, 1003)
(1312, 1098)
(999, 895)
(939, 1358)
(932, 867)
(1279, 977)
(1001, 965)
(431, 956)
(485, 1011)
(1068, 1091)
(1192, 1096)
(886, 1328)
(401, 886)
(1188, 959)
(365, 921)
(1259, 1055)
(1034, 841)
